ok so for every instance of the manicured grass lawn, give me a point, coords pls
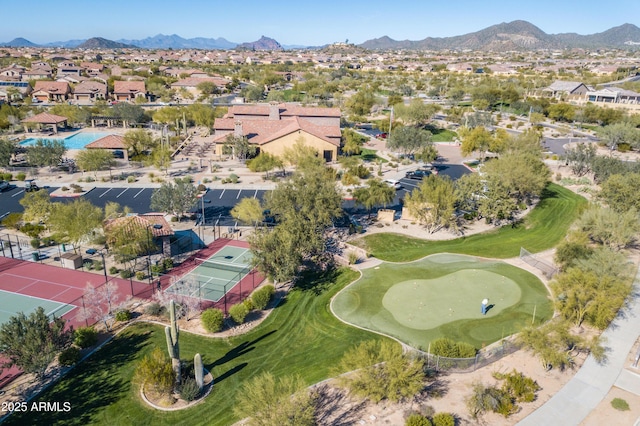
(443, 135)
(367, 154)
(301, 337)
(540, 230)
(440, 296)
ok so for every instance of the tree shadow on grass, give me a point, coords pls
(230, 372)
(317, 281)
(239, 350)
(91, 386)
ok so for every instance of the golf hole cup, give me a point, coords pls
(483, 308)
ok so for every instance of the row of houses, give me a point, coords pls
(579, 92)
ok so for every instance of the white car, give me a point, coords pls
(393, 183)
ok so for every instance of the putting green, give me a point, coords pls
(440, 296)
(425, 304)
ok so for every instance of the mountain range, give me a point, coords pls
(515, 35)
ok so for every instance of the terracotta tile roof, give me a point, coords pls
(108, 142)
(90, 87)
(52, 86)
(264, 131)
(45, 118)
(144, 221)
(286, 110)
(128, 86)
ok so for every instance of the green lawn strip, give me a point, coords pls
(540, 230)
(443, 135)
(301, 337)
(362, 303)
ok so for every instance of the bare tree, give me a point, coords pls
(100, 303)
(185, 292)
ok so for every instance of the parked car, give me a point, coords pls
(393, 183)
(382, 135)
(4, 185)
(418, 174)
(30, 185)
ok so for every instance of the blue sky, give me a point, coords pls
(300, 22)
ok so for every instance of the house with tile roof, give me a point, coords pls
(128, 90)
(275, 128)
(559, 89)
(111, 142)
(90, 91)
(51, 91)
(149, 222)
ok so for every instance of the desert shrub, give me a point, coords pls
(450, 349)
(519, 386)
(69, 356)
(238, 312)
(189, 390)
(444, 419)
(417, 420)
(620, 404)
(489, 398)
(113, 270)
(12, 220)
(126, 273)
(21, 177)
(167, 263)
(140, 275)
(35, 243)
(85, 337)
(154, 309)
(33, 230)
(350, 179)
(262, 296)
(212, 320)
(97, 265)
(123, 315)
(233, 178)
(202, 187)
(131, 179)
(248, 303)
(623, 147)
(353, 257)
(154, 372)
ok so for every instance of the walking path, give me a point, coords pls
(582, 394)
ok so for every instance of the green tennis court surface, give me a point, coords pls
(12, 303)
(440, 296)
(213, 277)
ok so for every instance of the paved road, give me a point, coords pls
(582, 394)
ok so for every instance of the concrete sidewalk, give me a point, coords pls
(573, 403)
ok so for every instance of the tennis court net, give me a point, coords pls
(222, 266)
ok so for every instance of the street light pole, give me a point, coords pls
(104, 264)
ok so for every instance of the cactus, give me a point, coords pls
(198, 371)
(172, 332)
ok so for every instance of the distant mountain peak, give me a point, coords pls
(265, 43)
(103, 43)
(19, 42)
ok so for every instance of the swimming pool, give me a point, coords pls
(76, 141)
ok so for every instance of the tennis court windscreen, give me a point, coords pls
(222, 266)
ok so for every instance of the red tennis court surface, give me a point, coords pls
(60, 285)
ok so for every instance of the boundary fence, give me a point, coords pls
(483, 358)
(547, 268)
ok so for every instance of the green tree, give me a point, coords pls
(580, 158)
(270, 401)
(155, 373)
(37, 206)
(433, 203)
(240, 146)
(615, 134)
(382, 371)
(524, 176)
(32, 342)
(167, 115)
(75, 221)
(130, 113)
(46, 152)
(138, 142)
(7, 149)
(301, 155)
(561, 112)
(610, 228)
(494, 203)
(374, 194)
(417, 113)
(476, 139)
(128, 241)
(248, 210)
(160, 158)
(409, 140)
(175, 198)
(113, 210)
(361, 102)
(352, 142)
(93, 160)
(207, 88)
(264, 162)
(203, 115)
(620, 192)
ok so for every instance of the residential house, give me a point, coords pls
(36, 74)
(155, 223)
(14, 90)
(564, 89)
(12, 72)
(275, 128)
(614, 95)
(190, 84)
(51, 91)
(128, 90)
(90, 91)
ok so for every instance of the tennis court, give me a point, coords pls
(13, 303)
(213, 277)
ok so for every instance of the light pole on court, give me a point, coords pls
(154, 226)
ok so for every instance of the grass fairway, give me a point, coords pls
(541, 229)
(440, 296)
(301, 337)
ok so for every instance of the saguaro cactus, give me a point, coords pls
(172, 332)
(198, 371)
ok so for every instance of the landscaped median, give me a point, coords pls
(71, 191)
(540, 230)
